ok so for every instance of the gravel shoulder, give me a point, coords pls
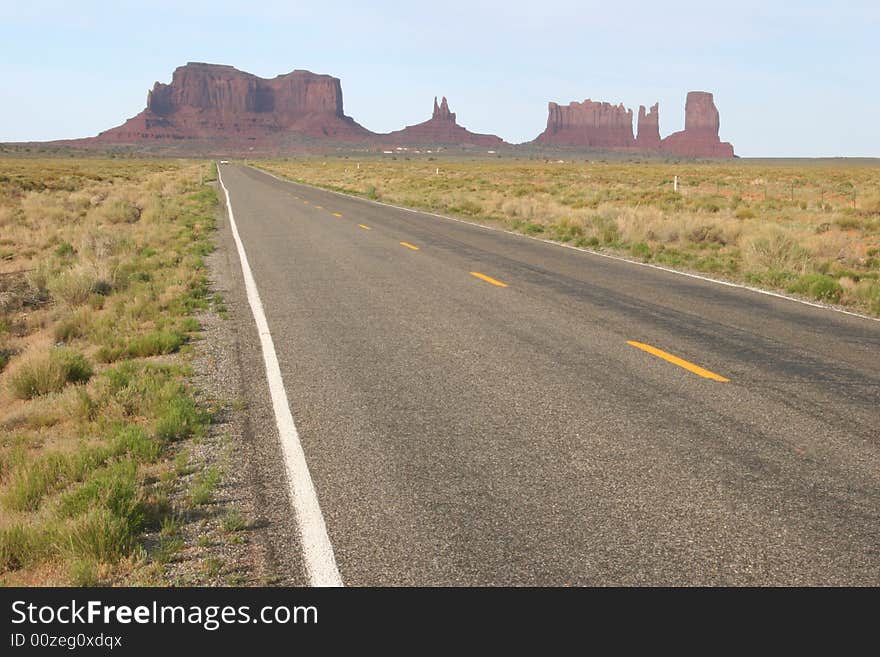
(247, 535)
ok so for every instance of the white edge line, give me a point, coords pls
(741, 286)
(320, 562)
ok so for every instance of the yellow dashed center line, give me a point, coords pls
(336, 214)
(675, 360)
(364, 227)
(319, 207)
(488, 279)
(409, 246)
(305, 201)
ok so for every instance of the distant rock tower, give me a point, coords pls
(442, 112)
(648, 136)
(700, 135)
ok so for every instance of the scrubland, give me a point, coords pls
(101, 270)
(807, 228)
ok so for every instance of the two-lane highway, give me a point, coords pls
(482, 408)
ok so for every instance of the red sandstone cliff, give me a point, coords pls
(605, 126)
(219, 108)
(700, 135)
(210, 101)
(441, 129)
(588, 124)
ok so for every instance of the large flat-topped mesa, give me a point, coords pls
(442, 129)
(588, 124)
(205, 101)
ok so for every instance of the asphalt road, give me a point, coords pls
(461, 432)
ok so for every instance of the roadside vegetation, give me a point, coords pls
(809, 229)
(101, 271)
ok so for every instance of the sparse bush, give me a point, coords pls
(50, 373)
(133, 440)
(180, 418)
(84, 572)
(114, 487)
(65, 250)
(22, 545)
(773, 249)
(234, 521)
(818, 286)
(117, 211)
(155, 343)
(32, 481)
(641, 250)
(74, 326)
(202, 490)
(73, 287)
(101, 535)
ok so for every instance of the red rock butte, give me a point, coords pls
(588, 125)
(442, 129)
(217, 108)
(207, 101)
(600, 125)
(700, 135)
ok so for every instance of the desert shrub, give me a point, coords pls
(568, 229)
(641, 250)
(203, 486)
(133, 440)
(30, 482)
(101, 535)
(118, 211)
(114, 487)
(467, 207)
(155, 343)
(180, 418)
(849, 222)
(74, 286)
(773, 249)
(38, 282)
(701, 233)
(50, 373)
(74, 326)
(64, 250)
(606, 228)
(868, 293)
(818, 286)
(22, 545)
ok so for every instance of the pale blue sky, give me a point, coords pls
(794, 78)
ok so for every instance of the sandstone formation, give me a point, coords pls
(441, 129)
(648, 132)
(700, 135)
(588, 125)
(212, 101)
(213, 108)
(597, 125)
